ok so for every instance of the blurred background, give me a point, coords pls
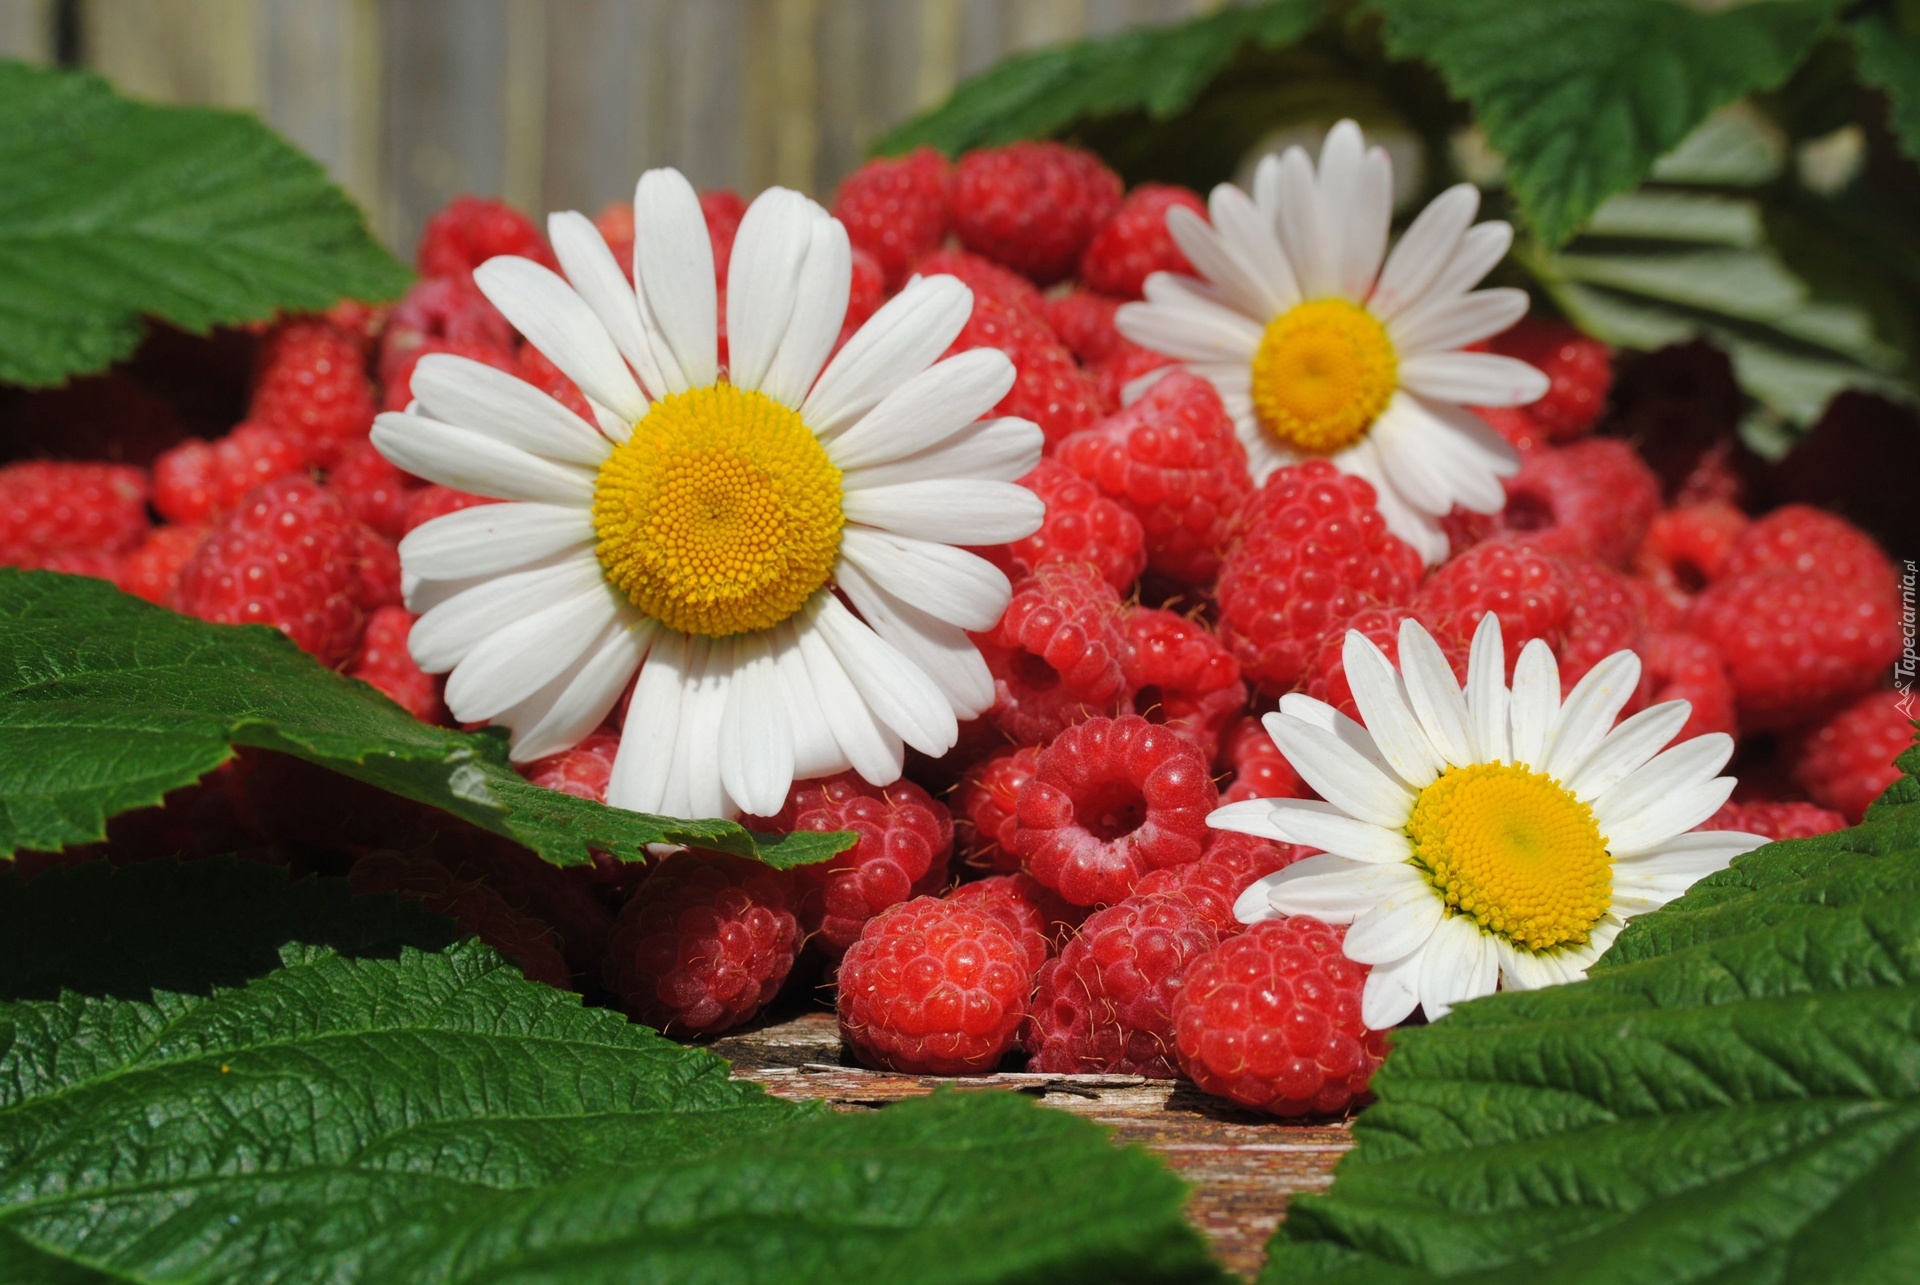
(558, 104)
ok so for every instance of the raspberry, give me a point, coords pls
(1776, 821)
(1134, 242)
(537, 369)
(723, 211)
(1520, 429)
(289, 557)
(1181, 675)
(399, 385)
(1579, 371)
(1595, 497)
(1271, 1019)
(1173, 458)
(1810, 542)
(1604, 616)
(474, 906)
(314, 385)
(582, 771)
(1105, 1004)
(1326, 676)
(198, 480)
(1048, 387)
(1120, 368)
(1847, 761)
(866, 291)
(1035, 912)
(1260, 770)
(1582, 610)
(153, 569)
(934, 987)
(905, 840)
(100, 564)
(1312, 551)
(1110, 800)
(377, 574)
(1687, 548)
(440, 310)
(703, 944)
(469, 230)
(436, 501)
(1032, 206)
(1056, 654)
(1212, 884)
(374, 491)
(987, 280)
(384, 662)
(614, 222)
(1084, 322)
(1081, 525)
(1677, 666)
(49, 507)
(895, 208)
(359, 320)
(985, 803)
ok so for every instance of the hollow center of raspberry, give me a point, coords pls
(721, 514)
(1515, 852)
(1111, 811)
(1324, 371)
(1034, 673)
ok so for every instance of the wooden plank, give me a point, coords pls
(196, 51)
(443, 68)
(26, 30)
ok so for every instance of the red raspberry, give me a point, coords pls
(1081, 525)
(1580, 371)
(866, 291)
(1084, 322)
(436, 501)
(1604, 616)
(49, 507)
(906, 838)
(723, 210)
(1111, 799)
(378, 574)
(399, 386)
(153, 569)
(895, 208)
(1271, 1019)
(985, 804)
(1056, 654)
(1260, 770)
(1776, 821)
(474, 906)
(374, 491)
(987, 280)
(440, 310)
(1212, 884)
(1032, 206)
(288, 556)
(537, 369)
(469, 230)
(1173, 458)
(1677, 666)
(703, 944)
(1847, 761)
(1520, 429)
(1807, 541)
(1583, 611)
(1035, 912)
(1048, 387)
(1134, 242)
(1105, 1004)
(198, 481)
(1182, 675)
(313, 384)
(1595, 497)
(1120, 368)
(1687, 548)
(582, 771)
(934, 987)
(1326, 676)
(100, 564)
(360, 320)
(614, 222)
(1312, 551)
(384, 662)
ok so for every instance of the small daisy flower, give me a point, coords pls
(1319, 350)
(1496, 837)
(772, 547)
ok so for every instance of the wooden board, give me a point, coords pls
(1244, 1168)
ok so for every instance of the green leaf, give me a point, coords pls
(1732, 1095)
(434, 1117)
(1159, 70)
(1889, 59)
(111, 210)
(1582, 98)
(108, 702)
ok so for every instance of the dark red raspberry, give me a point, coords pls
(1776, 821)
(1214, 883)
(1105, 1004)
(1581, 609)
(436, 501)
(1326, 676)
(1057, 653)
(1049, 388)
(1082, 525)
(377, 573)
(374, 491)
(1579, 371)
(313, 384)
(383, 661)
(49, 507)
(1084, 322)
(1111, 799)
(1260, 770)
(1134, 242)
(1182, 675)
(866, 291)
(934, 987)
(1173, 458)
(153, 569)
(1312, 551)
(1032, 206)
(582, 771)
(906, 838)
(1811, 542)
(474, 906)
(447, 311)
(1114, 373)
(288, 556)
(987, 280)
(1595, 497)
(895, 208)
(1035, 912)
(1604, 616)
(1686, 550)
(723, 210)
(1677, 666)
(703, 944)
(1270, 1019)
(198, 481)
(985, 802)
(469, 230)
(1846, 762)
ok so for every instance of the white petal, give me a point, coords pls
(673, 271)
(1435, 694)
(1332, 889)
(1397, 926)
(1468, 457)
(1535, 703)
(1391, 993)
(1302, 227)
(557, 321)
(1480, 248)
(446, 633)
(1487, 691)
(1453, 967)
(1324, 716)
(1403, 441)
(1693, 855)
(566, 711)
(763, 280)
(819, 310)
(997, 450)
(815, 752)
(469, 461)
(1218, 266)
(1589, 711)
(1363, 239)
(926, 409)
(1685, 766)
(514, 662)
(1314, 824)
(1427, 247)
(947, 583)
(1635, 741)
(644, 761)
(1377, 693)
(1473, 378)
(1671, 816)
(1247, 816)
(473, 395)
(1178, 321)
(1417, 527)
(1261, 273)
(953, 511)
(897, 691)
(1473, 318)
(899, 341)
(695, 788)
(1340, 774)
(944, 652)
(592, 271)
(756, 744)
(1522, 969)
(490, 538)
(871, 749)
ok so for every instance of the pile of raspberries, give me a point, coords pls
(1050, 888)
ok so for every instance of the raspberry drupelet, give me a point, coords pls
(1032, 206)
(985, 802)
(1057, 654)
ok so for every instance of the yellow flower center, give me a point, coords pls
(1514, 852)
(1324, 372)
(721, 515)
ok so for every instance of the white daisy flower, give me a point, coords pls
(771, 547)
(1319, 350)
(1500, 837)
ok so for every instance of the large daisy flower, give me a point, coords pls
(771, 546)
(1496, 837)
(1319, 350)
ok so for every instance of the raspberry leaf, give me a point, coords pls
(108, 702)
(353, 1107)
(113, 210)
(1734, 1093)
(1887, 57)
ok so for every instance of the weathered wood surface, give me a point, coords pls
(1244, 1168)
